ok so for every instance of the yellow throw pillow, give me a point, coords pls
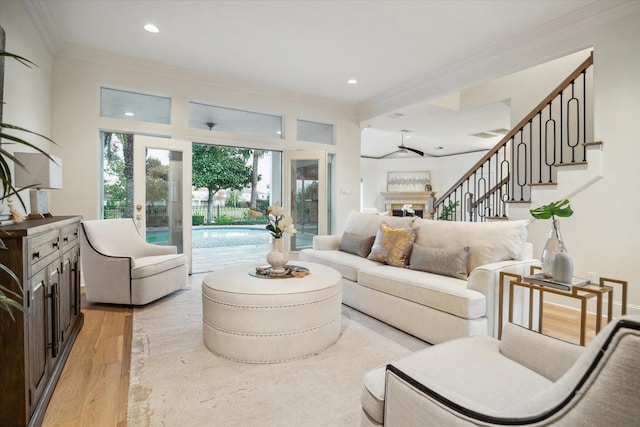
(393, 245)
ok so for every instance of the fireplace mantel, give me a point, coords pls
(405, 197)
(394, 200)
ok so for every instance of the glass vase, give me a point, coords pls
(277, 257)
(554, 245)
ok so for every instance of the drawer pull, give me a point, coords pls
(35, 255)
(65, 239)
(55, 245)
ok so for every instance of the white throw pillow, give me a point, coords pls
(487, 241)
(367, 224)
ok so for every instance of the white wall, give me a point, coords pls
(79, 74)
(529, 87)
(27, 91)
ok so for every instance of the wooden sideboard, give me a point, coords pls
(45, 255)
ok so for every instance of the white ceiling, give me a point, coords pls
(313, 47)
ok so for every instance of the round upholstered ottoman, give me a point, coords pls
(268, 320)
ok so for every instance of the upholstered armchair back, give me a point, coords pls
(116, 237)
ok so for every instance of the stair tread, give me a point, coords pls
(539, 184)
(558, 165)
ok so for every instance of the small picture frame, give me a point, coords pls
(407, 181)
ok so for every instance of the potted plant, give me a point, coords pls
(448, 210)
(9, 298)
(554, 244)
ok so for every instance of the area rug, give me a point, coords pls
(176, 381)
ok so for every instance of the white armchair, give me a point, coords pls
(525, 379)
(120, 267)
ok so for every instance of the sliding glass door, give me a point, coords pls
(305, 179)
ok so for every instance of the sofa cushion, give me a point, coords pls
(446, 261)
(357, 245)
(367, 224)
(372, 394)
(393, 245)
(487, 241)
(347, 264)
(443, 293)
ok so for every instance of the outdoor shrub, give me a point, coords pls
(225, 220)
(197, 219)
(262, 205)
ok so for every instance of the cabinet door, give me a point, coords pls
(69, 292)
(54, 317)
(75, 283)
(38, 336)
(66, 296)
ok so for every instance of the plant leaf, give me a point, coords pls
(560, 208)
(21, 129)
(22, 60)
(7, 303)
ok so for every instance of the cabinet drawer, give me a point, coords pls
(41, 249)
(69, 236)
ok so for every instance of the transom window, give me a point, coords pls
(315, 132)
(121, 104)
(223, 119)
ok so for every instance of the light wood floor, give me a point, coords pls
(94, 385)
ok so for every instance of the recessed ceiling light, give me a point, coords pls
(151, 28)
(279, 132)
(352, 81)
(129, 114)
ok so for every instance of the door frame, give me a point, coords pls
(140, 145)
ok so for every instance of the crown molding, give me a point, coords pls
(42, 20)
(562, 36)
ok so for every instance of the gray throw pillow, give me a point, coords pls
(443, 261)
(357, 245)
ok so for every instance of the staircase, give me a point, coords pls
(542, 159)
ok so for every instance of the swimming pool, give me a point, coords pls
(215, 237)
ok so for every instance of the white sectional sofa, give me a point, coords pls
(449, 287)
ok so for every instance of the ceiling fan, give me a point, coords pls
(401, 149)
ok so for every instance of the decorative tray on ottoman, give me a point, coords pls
(289, 271)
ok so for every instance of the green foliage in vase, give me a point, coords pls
(447, 211)
(560, 208)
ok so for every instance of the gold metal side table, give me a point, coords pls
(581, 293)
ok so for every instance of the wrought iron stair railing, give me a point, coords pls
(553, 134)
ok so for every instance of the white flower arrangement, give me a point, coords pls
(408, 210)
(279, 223)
